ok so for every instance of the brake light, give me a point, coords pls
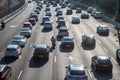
(85, 77)
(70, 77)
(17, 50)
(2, 77)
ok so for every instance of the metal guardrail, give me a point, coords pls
(108, 19)
(13, 14)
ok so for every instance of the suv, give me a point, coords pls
(102, 63)
(88, 40)
(103, 30)
(5, 72)
(41, 51)
(63, 31)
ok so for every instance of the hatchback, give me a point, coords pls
(27, 24)
(5, 72)
(41, 51)
(67, 42)
(102, 63)
(103, 30)
(76, 72)
(19, 40)
(12, 50)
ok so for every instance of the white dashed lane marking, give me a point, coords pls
(12, 26)
(19, 75)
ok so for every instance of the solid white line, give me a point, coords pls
(19, 75)
(105, 49)
(55, 59)
(89, 73)
(114, 60)
(31, 45)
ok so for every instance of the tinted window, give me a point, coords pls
(11, 49)
(104, 61)
(77, 72)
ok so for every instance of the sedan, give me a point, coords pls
(12, 51)
(84, 15)
(102, 63)
(103, 30)
(47, 25)
(75, 20)
(19, 40)
(67, 42)
(25, 32)
(76, 72)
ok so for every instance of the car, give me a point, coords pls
(47, 9)
(88, 40)
(32, 13)
(48, 13)
(102, 63)
(61, 23)
(118, 55)
(67, 41)
(75, 20)
(76, 72)
(37, 11)
(27, 24)
(98, 15)
(47, 5)
(84, 15)
(32, 21)
(45, 18)
(39, 7)
(93, 12)
(29, 1)
(47, 25)
(41, 51)
(59, 13)
(78, 10)
(54, 4)
(59, 18)
(69, 11)
(25, 32)
(35, 16)
(103, 30)
(5, 72)
(57, 8)
(72, 6)
(12, 50)
(89, 9)
(63, 5)
(19, 40)
(63, 31)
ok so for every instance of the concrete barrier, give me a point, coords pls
(13, 14)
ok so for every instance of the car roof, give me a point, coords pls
(103, 57)
(75, 17)
(18, 36)
(102, 25)
(89, 35)
(45, 16)
(41, 46)
(12, 46)
(77, 67)
(63, 28)
(2, 67)
(47, 21)
(27, 23)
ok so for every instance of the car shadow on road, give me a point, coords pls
(103, 75)
(37, 63)
(7, 60)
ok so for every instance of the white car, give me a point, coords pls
(76, 72)
(19, 40)
(12, 51)
(25, 32)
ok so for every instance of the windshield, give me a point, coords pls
(104, 61)
(67, 39)
(77, 72)
(18, 38)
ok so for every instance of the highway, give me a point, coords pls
(24, 68)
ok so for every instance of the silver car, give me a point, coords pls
(12, 51)
(25, 32)
(76, 72)
(19, 40)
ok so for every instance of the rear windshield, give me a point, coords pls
(104, 61)
(67, 39)
(26, 24)
(40, 49)
(77, 72)
(11, 49)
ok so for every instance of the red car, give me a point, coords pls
(27, 24)
(32, 21)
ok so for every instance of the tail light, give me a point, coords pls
(70, 77)
(2, 77)
(17, 50)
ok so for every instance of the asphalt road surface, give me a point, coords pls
(24, 68)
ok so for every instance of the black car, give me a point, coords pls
(102, 63)
(118, 55)
(41, 51)
(63, 31)
(5, 72)
(103, 30)
(78, 10)
(88, 40)
(69, 11)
